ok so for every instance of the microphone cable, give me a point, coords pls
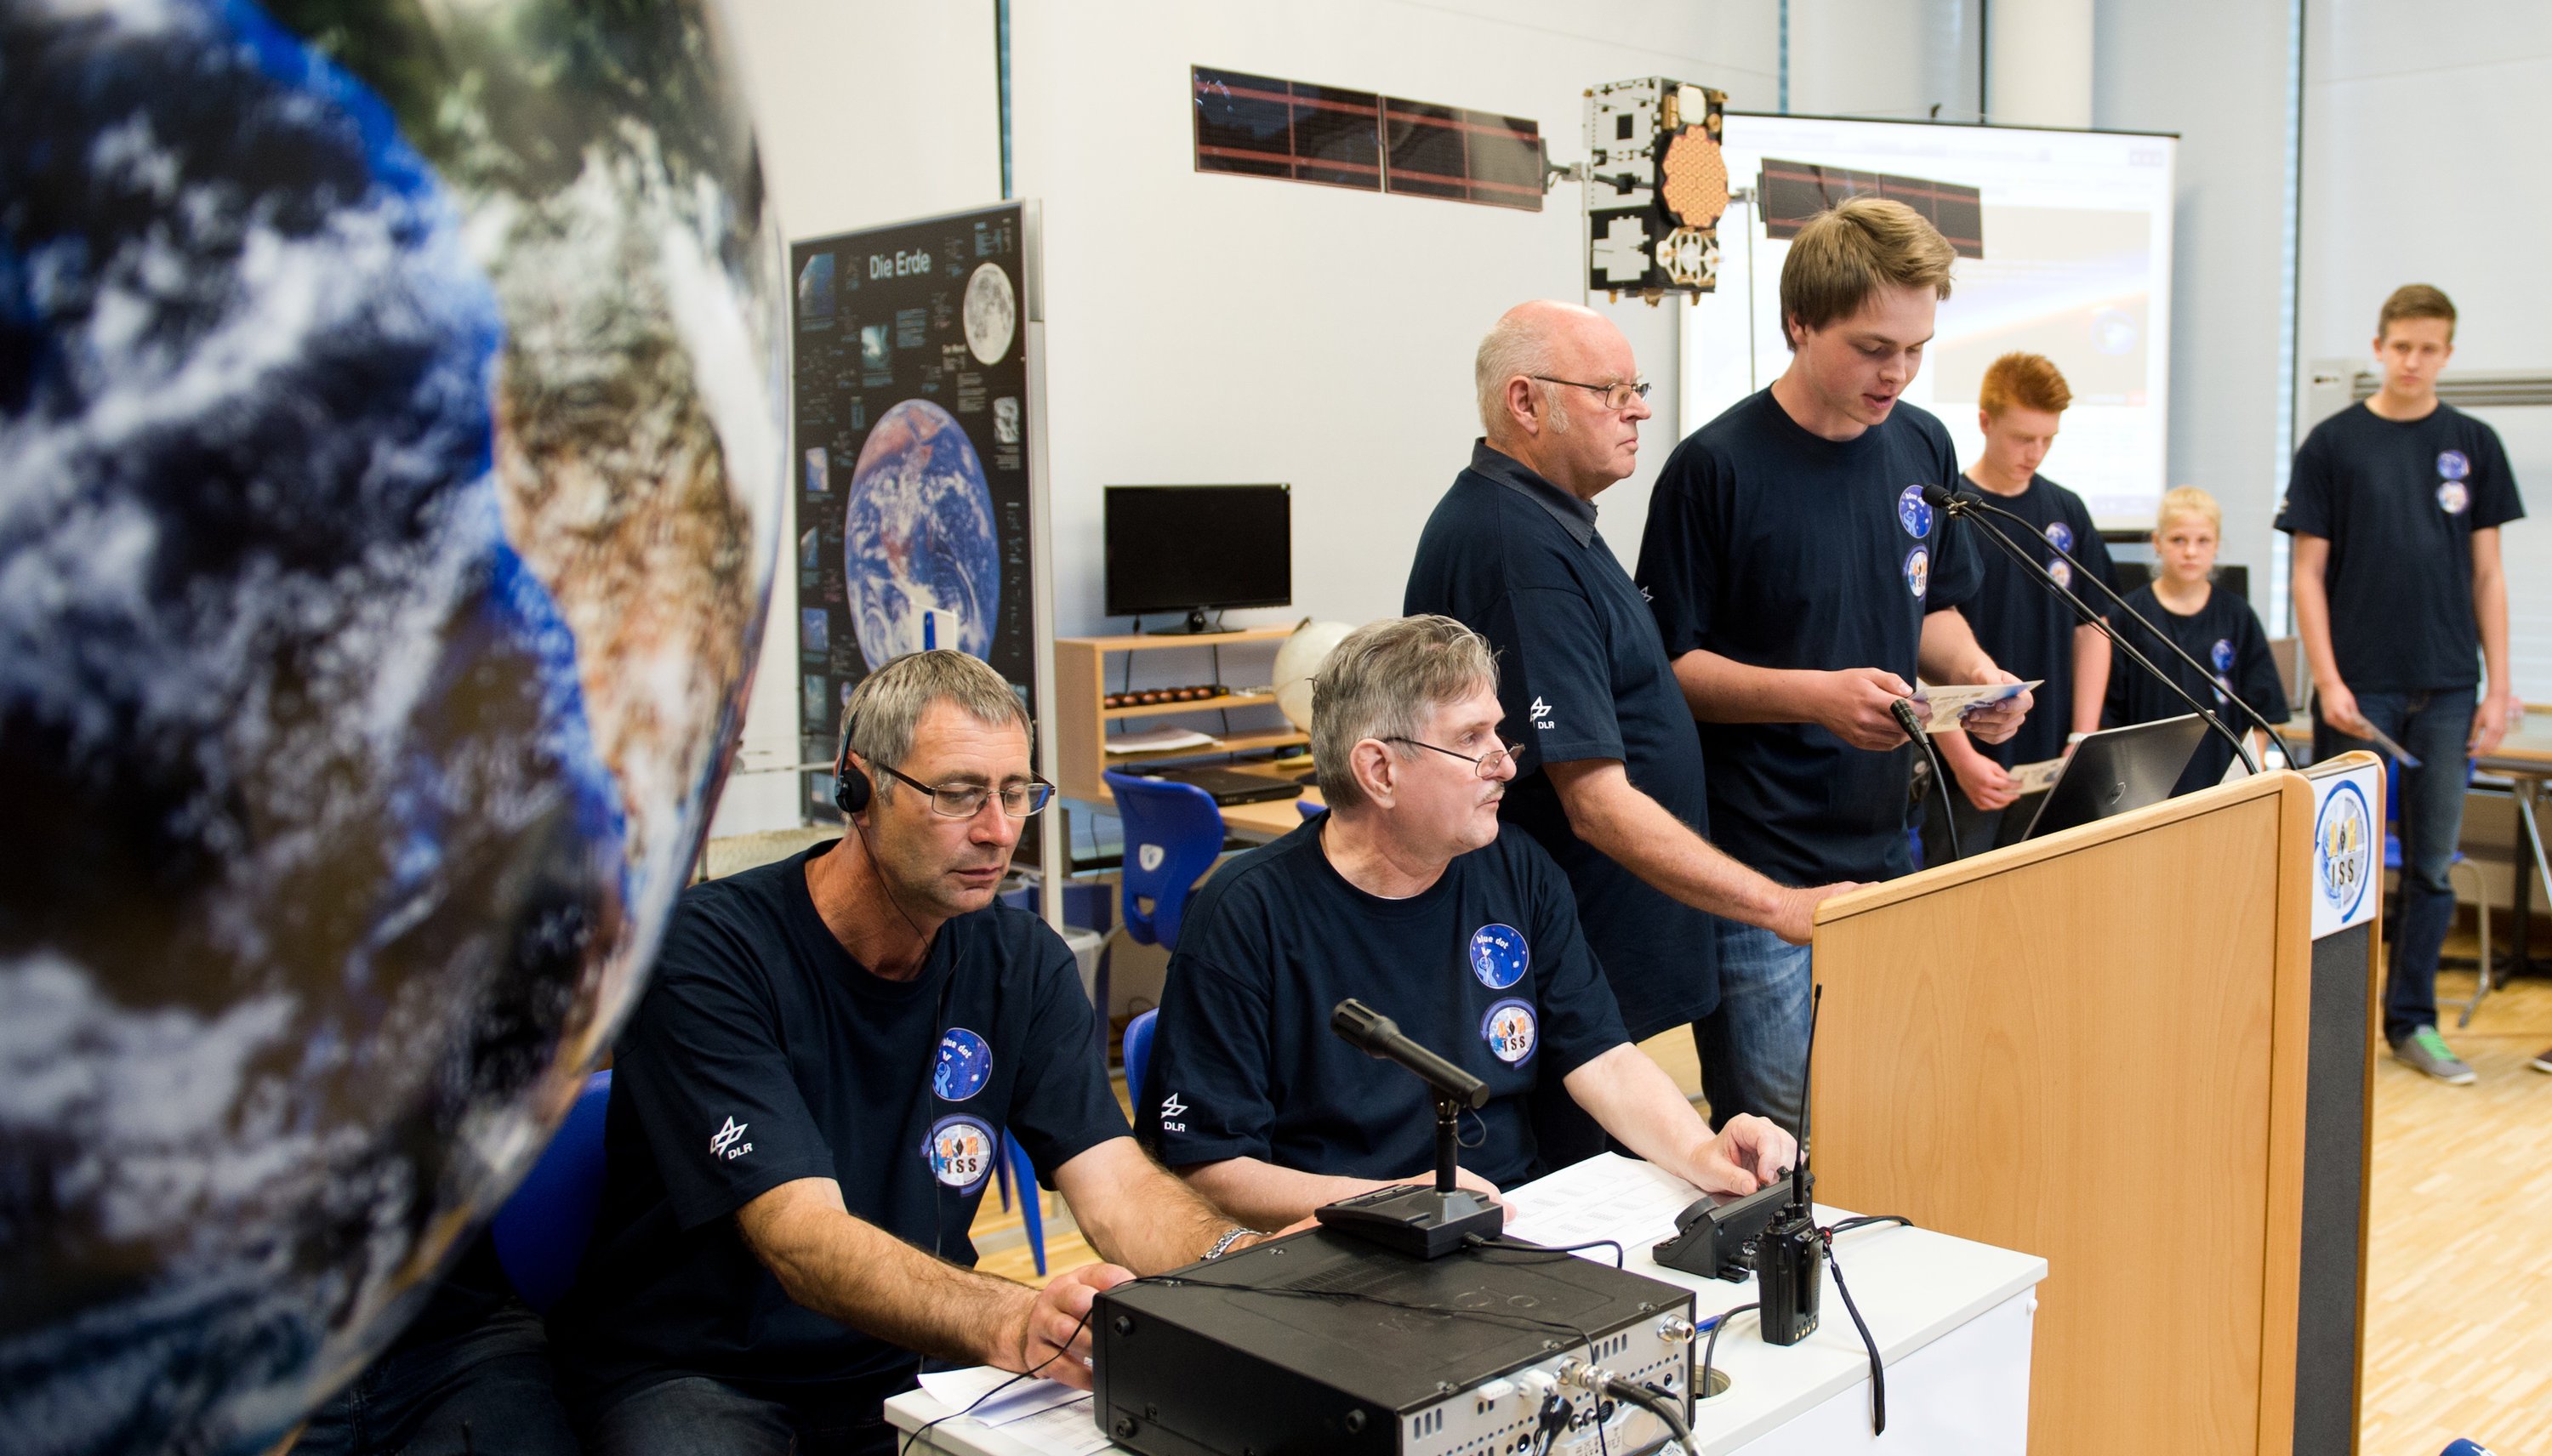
(1906, 719)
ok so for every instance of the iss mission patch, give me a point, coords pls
(2343, 850)
(960, 1151)
(1918, 572)
(2453, 497)
(1499, 956)
(1511, 1031)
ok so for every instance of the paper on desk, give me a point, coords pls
(1047, 1416)
(1950, 704)
(2036, 778)
(1608, 1196)
(1156, 740)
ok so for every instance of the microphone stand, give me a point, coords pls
(1976, 500)
(1963, 507)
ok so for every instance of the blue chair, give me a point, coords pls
(2480, 888)
(1173, 835)
(1015, 1167)
(542, 1231)
(1309, 809)
(1139, 1052)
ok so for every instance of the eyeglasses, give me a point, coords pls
(1486, 763)
(1616, 397)
(966, 800)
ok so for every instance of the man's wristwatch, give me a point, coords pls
(1230, 1236)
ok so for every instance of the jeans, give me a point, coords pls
(1755, 1046)
(2432, 727)
(700, 1416)
(488, 1388)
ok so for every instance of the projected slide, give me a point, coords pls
(2074, 264)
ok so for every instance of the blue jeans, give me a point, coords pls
(700, 1416)
(1754, 1047)
(488, 1389)
(2432, 727)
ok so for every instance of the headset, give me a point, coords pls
(852, 790)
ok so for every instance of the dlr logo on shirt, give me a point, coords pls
(727, 1143)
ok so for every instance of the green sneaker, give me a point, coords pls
(2542, 1063)
(2428, 1052)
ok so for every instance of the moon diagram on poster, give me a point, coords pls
(917, 537)
(991, 313)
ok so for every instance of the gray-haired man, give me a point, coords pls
(812, 1097)
(1406, 895)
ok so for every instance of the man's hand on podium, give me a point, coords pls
(1794, 918)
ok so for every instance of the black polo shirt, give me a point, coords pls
(2226, 634)
(2026, 628)
(2398, 501)
(764, 1053)
(1485, 967)
(1775, 548)
(1581, 674)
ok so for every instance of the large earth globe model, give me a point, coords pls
(390, 471)
(920, 560)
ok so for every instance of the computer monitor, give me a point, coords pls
(1198, 549)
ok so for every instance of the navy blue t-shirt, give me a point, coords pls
(2026, 628)
(1582, 677)
(2226, 634)
(764, 1053)
(1778, 549)
(2398, 501)
(1486, 967)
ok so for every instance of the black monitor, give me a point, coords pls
(1198, 549)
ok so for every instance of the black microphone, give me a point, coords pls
(1376, 1035)
(1974, 500)
(1915, 734)
(1964, 505)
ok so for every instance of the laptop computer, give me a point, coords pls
(2117, 770)
(1231, 785)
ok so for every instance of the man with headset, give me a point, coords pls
(810, 1098)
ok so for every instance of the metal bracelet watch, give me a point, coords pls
(1222, 1245)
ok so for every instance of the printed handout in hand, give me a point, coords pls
(1950, 704)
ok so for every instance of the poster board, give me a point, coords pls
(917, 396)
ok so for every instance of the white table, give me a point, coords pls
(1953, 1321)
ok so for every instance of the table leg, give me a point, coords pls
(2529, 847)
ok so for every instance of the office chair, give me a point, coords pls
(1173, 835)
(541, 1231)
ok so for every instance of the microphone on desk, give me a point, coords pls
(1376, 1035)
(1972, 507)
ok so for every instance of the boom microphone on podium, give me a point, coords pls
(1971, 506)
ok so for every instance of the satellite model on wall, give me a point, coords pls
(1655, 186)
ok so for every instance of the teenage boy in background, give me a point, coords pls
(2024, 627)
(2215, 627)
(2395, 505)
(1799, 579)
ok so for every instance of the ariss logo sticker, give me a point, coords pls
(2060, 573)
(2343, 850)
(1918, 572)
(1914, 513)
(1499, 956)
(959, 1151)
(1510, 1031)
(2453, 466)
(2059, 536)
(963, 1066)
(2221, 654)
(2454, 496)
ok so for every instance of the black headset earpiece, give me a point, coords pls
(851, 787)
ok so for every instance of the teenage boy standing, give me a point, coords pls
(2026, 628)
(2395, 505)
(1799, 579)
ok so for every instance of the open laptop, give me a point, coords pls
(2117, 770)
(1231, 785)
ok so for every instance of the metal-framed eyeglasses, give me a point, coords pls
(1616, 397)
(966, 800)
(1487, 764)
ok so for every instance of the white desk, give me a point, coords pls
(1952, 1319)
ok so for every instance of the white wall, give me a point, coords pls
(1884, 60)
(866, 113)
(2420, 165)
(1208, 328)
(2216, 75)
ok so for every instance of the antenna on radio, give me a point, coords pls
(1799, 1164)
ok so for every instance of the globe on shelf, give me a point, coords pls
(389, 476)
(1298, 661)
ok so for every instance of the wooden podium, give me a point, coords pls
(2121, 1048)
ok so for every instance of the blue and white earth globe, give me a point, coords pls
(389, 474)
(920, 559)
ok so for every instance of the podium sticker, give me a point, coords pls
(2347, 840)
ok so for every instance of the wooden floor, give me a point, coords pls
(2459, 1288)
